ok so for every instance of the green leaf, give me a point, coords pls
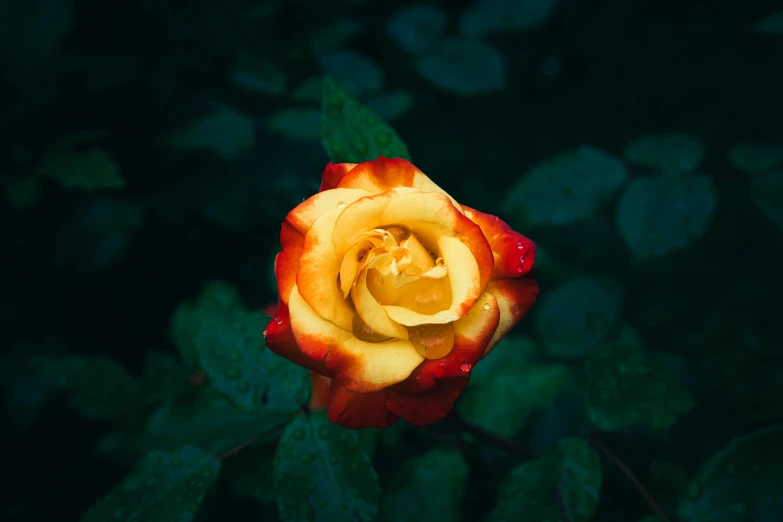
(259, 75)
(390, 105)
(572, 467)
(428, 487)
(230, 346)
(506, 387)
(766, 191)
(92, 169)
(464, 66)
(741, 482)
(322, 474)
(309, 90)
(657, 215)
(752, 158)
(297, 123)
(163, 486)
(500, 16)
(225, 132)
(97, 387)
(352, 133)
(668, 152)
(567, 188)
(628, 386)
(773, 24)
(210, 422)
(577, 315)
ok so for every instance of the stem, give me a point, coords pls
(628, 473)
(490, 437)
(249, 442)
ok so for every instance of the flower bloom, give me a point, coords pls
(390, 292)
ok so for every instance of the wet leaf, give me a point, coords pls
(660, 214)
(506, 387)
(629, 386)
(739, 483)
(163, 486)
(417, 28)
(667, 152)
(428, 487)
(252, 475)
(465, 67)
(322, 474)
(577, 315)
(297, 123)
(229, 344)
(351, 133)
(572, 467)
(567, 188)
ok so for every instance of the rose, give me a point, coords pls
(390, 292)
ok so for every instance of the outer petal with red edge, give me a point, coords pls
(383, 408)
(287, 261)
(280, 339)
(385, 174)
(333, 173)
(514, 253)
(515, 298)
(472, 334)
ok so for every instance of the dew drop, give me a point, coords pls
(465, 367)
(487, 306)
(232, 374)
(235, 356)
(324, 432)
(265, 333)
(243, 386)
(298, 434)
(520, 246)
(520, 269)
(307, 458)
(340, 204)
(278, 320)
(521, 259)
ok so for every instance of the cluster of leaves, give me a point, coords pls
(182, 421)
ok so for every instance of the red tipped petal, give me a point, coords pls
(280, 339)
(333, 173)
(359, 410)
(319, 396)
(514, 253)
(515, 298)
(287, 261)
(428, 407)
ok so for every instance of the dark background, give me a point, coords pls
(101, 271)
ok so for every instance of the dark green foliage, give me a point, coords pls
(568, 474)
(162, 486)
(322, 473)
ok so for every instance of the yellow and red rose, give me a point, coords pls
(390, 292)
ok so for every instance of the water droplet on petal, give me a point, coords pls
(265, 332)
(465, 367)
(278, 320)
(487, 306)
(520, 269)
(521, 259)
(340, 204)
(520, 246)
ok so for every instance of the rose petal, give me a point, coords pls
(472, 333)
(302, 217)
(429, 215)
(359, 410)
(428, 407)
(465, 281)
(514, 253)
(287, 261)
(319, 394)
(372, 313)
(515, 299)
(280, 339)
(359, 365)
(387, 174)
(333, 173)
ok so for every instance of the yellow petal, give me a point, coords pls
(372, 313)
(303, 216)
(464, 279)
(421, 257)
